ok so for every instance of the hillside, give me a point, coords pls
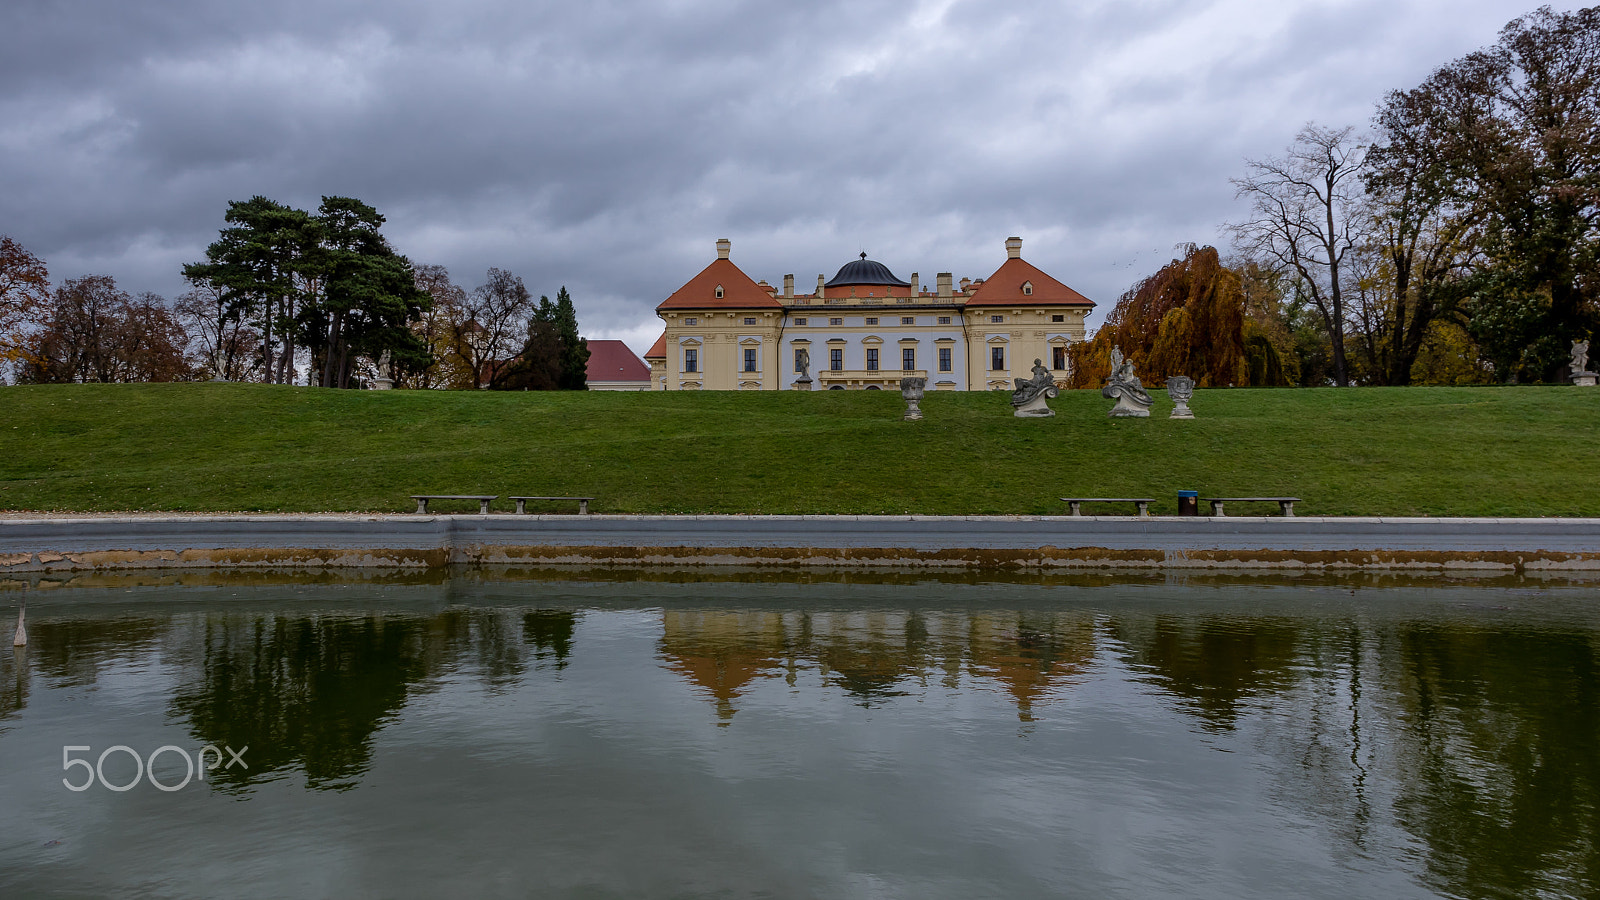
(1510, 451)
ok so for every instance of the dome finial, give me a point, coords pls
(863, 254)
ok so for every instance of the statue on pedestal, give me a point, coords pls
(1581, 375)
(1124, 387)
(383, 382)
(802, 362)
(1031, 393)
(911, 389)
(1180, 388)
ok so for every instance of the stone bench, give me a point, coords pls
(522, 503)
(1075, 503)
(1284, 503)
(483, 501)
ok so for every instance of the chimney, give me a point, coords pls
(965, 283)
(723, 246)
(1013, 248)
(820, 283)
(914, 282)
(944, 283)
(788, 287)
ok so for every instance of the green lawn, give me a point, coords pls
(1512, 451)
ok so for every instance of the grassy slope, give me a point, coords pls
(1525, 451)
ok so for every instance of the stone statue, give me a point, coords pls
(1180, 388)
(1124, 387)
(1031, 393)
(383, 382)
(802, 362)
(911, 389)
(1581, 376)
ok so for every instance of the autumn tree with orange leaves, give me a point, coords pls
(24, 291)
(1187, 319)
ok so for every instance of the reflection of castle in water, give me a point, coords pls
(877, 654)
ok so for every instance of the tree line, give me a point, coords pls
(1457, 242)
(289, 296)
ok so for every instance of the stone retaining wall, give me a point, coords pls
(1050, 542)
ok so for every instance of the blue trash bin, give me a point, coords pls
(1188, 503)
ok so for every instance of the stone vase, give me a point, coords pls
(912, 389)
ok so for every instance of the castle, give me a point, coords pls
(864, 329)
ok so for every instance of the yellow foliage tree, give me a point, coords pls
(1187, 319)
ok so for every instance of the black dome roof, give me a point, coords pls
(865, 271)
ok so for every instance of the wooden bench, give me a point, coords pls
(483, 501)
(1075, 503)
(522, 503)
(1284, 503)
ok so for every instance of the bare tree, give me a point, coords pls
(24, 293)
(227, 345)
(437, 327)
(1307, 215)
(493, 326)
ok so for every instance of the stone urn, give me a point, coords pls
(911, 389)
(1180, 388)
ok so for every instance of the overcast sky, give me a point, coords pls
(607, 145)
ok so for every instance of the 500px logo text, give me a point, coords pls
(145, 766)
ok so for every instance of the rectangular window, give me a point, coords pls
(1058, 318)
(908, 320)
(800, 321)
(872, 320)
(835, 321)
(872, 359)
(836, 359)
(691, 321)
(997, 359)
(691, 360)
(908, 359)
(749, 320)
(944, 359)
(749, 359)
(944, 320)
(1058, 358)
(799, 358)
(997, 319)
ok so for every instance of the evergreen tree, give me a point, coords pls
(574, 349)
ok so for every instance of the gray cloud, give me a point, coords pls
(604, 146)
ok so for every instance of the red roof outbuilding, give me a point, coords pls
(613, 361)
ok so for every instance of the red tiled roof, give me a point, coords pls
(658, 350)
(613, 361)
(738, 291)
(1004, 288)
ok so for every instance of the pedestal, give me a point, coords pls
(1182, 411)
(1128, 409)
(803, 384)
(382, 384)
(1034, 409)
(1584, 379)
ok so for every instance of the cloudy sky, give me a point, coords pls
(606, 145)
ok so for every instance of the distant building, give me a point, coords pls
(865, 329)
(613, 367)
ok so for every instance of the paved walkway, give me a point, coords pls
(159, 541)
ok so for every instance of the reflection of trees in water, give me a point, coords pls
(876, 655)
(1499, 757)
(313, 691)
(1215, 664)
(306, 691)
(76, 651)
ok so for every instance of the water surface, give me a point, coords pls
(640, 734)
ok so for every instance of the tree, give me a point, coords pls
(1187, 319)
(1307, 216)
(496, 316)
(1519, 127)
(434, 329)
(369, 295)
(254, 264)
(227, 347)
(95, 332)
(574, 349)
(24, 292)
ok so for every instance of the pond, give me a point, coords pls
(740, 734)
